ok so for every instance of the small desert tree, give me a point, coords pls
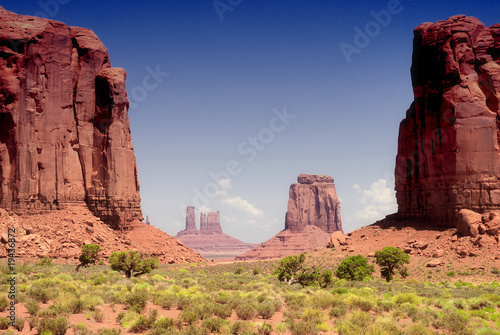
(355, 268)
(290, 268)
(390, 259)
(132, 262)
(90, 255)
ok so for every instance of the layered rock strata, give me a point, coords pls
(449, 142)
(313, 215)
(313, 201)
(64, 128)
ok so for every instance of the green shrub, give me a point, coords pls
(76, 306)
(164, 323)
(409, 297)
(256, 271)
(245, 311)
(99, 315)
(56, 326)
(144, 323)
(265, 329)
(239, 327)
(214, 325)
(137, 301)
(390, 259)
(33, 307)
(108, 332)
(266, 309)
(188, 316)
(81, 329)
(4, 303)
(355, 268)
(314, 315)
(302, 327)
(223, 311)
(239, 270)
(356, 323)
(4, 323)
(19, 323)
(39, 294)
(479, 303)
(362, 303)
(418, 329)
(45, 261)
(167, 300)
(455, 321)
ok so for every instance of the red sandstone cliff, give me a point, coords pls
(449, 142)
(64, 128)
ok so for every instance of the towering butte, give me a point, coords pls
(64, 128)
(449, 142)
(210, 240)
(65, 146)
(313, 215)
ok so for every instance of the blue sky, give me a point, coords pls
(257, 92)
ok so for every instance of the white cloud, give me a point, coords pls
(225, 185)
(379, 200)
(205, 209)
(243, 205)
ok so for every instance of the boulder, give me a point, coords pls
(337, 239)
(434, 263)
(468, 222)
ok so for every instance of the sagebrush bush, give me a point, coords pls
(56, 326)
(4, 323)
(409, 297)
(265, 329)
(215, 325)
(4, 303)
(303, 327)
(137, 301)
(246, 311)
(266, 309)
(223, 311)
(359, 302)
(356, 323)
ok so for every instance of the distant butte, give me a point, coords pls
(313, 215)
(210, 240)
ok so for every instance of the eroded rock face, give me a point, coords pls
(448, 146)
(190, 219)
(64, 128)
(313, 201)
(313, 215)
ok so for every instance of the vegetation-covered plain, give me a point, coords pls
(241, 298)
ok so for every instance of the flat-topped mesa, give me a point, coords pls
(314, 179)
(64, 128)
(313, 201)
(449, 142)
